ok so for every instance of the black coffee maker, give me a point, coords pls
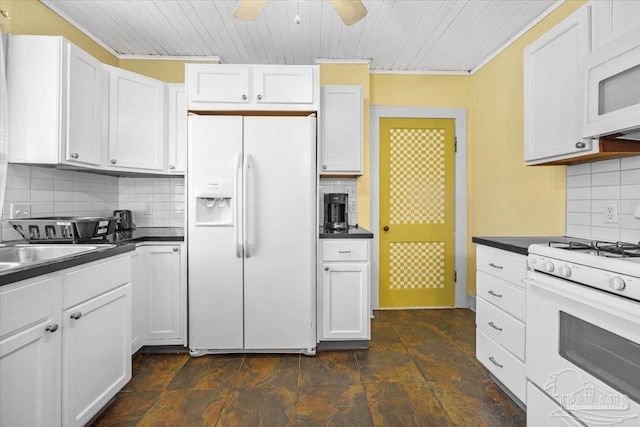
(335, 211)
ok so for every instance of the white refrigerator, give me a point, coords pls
(251, 234)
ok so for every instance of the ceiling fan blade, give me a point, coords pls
(248, 10)
(350, 11)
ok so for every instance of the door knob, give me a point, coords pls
(385, 228)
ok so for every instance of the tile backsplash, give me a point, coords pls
(592, 187)
(56, 192)
(340, 185)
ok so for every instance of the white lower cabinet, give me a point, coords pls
(161, 305)
(30, 353)
(500, 317)
(96, 357)
(345, 303)
(65, 344)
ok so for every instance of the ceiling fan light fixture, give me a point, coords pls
(248, 10)
(350, 11)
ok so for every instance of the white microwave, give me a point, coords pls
(612, 79)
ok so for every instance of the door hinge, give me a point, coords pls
(455, 144)
(455, 276)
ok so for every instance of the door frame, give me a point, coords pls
(459, 115)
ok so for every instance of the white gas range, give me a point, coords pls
(583, 334)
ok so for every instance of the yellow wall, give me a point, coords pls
(355, 74)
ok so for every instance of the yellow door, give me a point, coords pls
(416, 212)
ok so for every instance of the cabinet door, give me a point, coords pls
(137, 301)
(83, 107)
(163, 294)
(177, 124)
(30, 376)
(211, 83)
(612, 19)
(136, 121)
(554, 92)
(345, 305)
(282, 85)
(96, 354)
(341, 124)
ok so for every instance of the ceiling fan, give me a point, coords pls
(350, 11)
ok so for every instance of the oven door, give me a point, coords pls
(582, 349)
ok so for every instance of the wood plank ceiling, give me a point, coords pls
(396, 35)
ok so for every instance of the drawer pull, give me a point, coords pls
(76, 315)
(52, 328)
(494, 362)
(499, 267)
(497, 328)
(344, 252)
(495, 295)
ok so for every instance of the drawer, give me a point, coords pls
(28, 302)
(540, 407)
(96, 278)
(504, 329)
(509, 298)
(345, 250)
(505, 366)
(505, 265)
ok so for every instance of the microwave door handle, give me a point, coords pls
(245, 204)
(237, 165)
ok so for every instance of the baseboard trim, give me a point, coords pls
(471, 302)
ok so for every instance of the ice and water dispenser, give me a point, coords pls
(214, 202)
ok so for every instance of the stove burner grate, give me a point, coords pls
(618, 249)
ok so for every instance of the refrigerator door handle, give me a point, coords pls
(245, 205)
(237, 165)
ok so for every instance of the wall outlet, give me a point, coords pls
(147, 209)
(636, 213)
(611, 213)
(20, 210)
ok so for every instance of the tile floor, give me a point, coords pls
(420, 370)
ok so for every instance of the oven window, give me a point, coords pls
(611, 358)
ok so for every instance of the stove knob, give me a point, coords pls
(565, 271)
(548, 266)
(616, 283)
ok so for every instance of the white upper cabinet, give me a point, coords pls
(341, 130)
(554, 92)
(612, 19)
(56, 102)
(252, 87)
(136, 121)
(177, 129)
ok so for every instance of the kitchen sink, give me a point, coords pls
(21, 255)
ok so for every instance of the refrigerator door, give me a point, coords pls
(215, 266)
(280, 217)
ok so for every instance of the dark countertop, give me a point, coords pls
(518, 244)
(351, 233)
(124, 241)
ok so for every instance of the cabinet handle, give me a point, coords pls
(259, 97)
(499, 267)
(580, 144)
(244, 97)
(495, 327)
(324, 166)
(495, 295)
(171, 167)
(52, 328)
(494, 362)
(344, 252)
(175, 249)
(75, 155)
(113, 161)
(76, 315)
(326, 269)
